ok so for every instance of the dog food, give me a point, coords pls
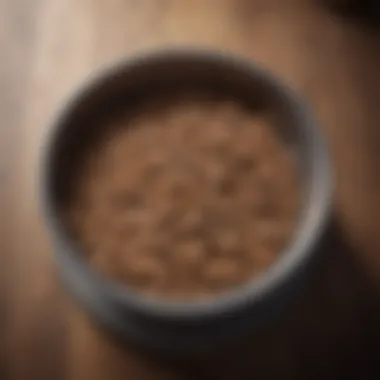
(186, 198)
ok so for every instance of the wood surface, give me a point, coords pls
(49, 46)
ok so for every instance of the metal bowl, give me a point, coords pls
(198, 326)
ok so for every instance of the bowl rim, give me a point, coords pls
(300, 249)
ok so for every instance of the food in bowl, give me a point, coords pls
(186, 196)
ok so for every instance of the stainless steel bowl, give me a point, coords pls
(187, 327)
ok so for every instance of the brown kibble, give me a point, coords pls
(226, 186)
(104, 261)
(220, 133)
(186, 197)
(154, 169)
(144, 267)
(272, 233)
(190, 252)
(263, 261)
(127, 199)
(267, 172)
(124, 226)
(266, 208)
(191, 222)
(167, 219)
(228, 241)
(266, 229)
(221, 270)
(245, 163)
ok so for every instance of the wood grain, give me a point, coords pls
(50, 46)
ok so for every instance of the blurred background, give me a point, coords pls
(329, 51)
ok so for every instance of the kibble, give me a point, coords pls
(187, 198)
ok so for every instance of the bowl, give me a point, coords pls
(187, 327)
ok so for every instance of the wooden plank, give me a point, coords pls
(26, 311)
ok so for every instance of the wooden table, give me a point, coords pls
(49, 45)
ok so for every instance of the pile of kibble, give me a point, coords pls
(186, 198)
